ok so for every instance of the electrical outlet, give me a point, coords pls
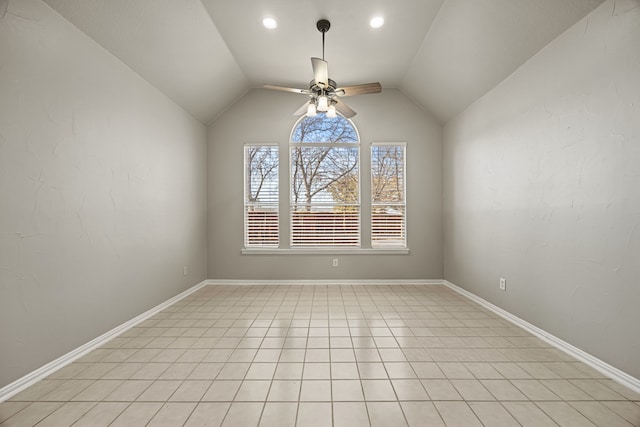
(185, 270)
(335, 262)
(503, 284)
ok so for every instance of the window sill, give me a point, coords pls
(332, 251)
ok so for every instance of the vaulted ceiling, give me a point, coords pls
(205, 54)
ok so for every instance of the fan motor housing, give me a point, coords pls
(323, 25)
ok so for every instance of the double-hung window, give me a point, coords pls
(261, 219)
(388, 195)
(325, 183)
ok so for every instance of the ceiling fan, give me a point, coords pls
(324, 93)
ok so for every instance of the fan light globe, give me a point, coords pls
(311, 110)
(323, 103)
(269, 23)
(331, 111)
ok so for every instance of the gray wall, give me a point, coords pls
(266, 116)
(541, 187)
(102, 191)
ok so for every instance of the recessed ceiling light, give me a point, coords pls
(269, 23)
(376, 22)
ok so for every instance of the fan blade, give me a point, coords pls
(287, 89)
(302, 110)
(320, 72)
(359, 89)
(344, 109)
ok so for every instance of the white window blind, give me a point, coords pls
(325, 186)
(261, 194)
(388, 195)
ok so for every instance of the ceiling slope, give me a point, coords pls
(474, 45)
(204, 54)
(173, 45)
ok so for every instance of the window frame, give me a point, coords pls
(348, 144)
(403, 204)
(247, 204)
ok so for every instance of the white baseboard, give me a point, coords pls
(244, 282)
(602, 367)
(31, 378)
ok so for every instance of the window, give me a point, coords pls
(261, 196)
(325, 185)
(388, 204)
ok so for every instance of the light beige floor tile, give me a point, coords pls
(314, 414)
(122, 371)
(628, 410)
(137, 414)
(564, 415)
(261, 371)
(483, 371)
(350, 414)
(503, 390)
(292, 355)
(102, 414)
(565, 390)
(268, 355)
(253, 391)
(409, 389)
(66, 390)
(193, 355)
(511, 370)
(472, 390)
(454, 370)
(344, 371)
(207, 415)
(172, 414)
(538, 371)
(347, 390)
(620, 389)
(400, 370)
(150, 371)
(392, 355)
(596, 390)
(190, 391)
(385, 414)
(534, 390)
(205, 371)
(599, 414)
(373, 370)
(284, 391)
(378, 390)
(128, 391)
(528, 414)
(316, 371)
(98, 391)
(279, 414)
(222, 391)
(457, 414)
(178, 371)
(419, 414)
(493, 414)
(8, 409)
(288, 371)
(67, 414)
(315, 391)
(159, 391)
(233, 371)
(243, 414)
(441, 390)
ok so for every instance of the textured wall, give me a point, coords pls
(265, 116)
(102, 191)
(541, 187)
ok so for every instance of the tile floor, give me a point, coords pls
(324, 356)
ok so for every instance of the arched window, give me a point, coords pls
(325, 182)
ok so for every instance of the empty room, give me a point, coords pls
(320, 213)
